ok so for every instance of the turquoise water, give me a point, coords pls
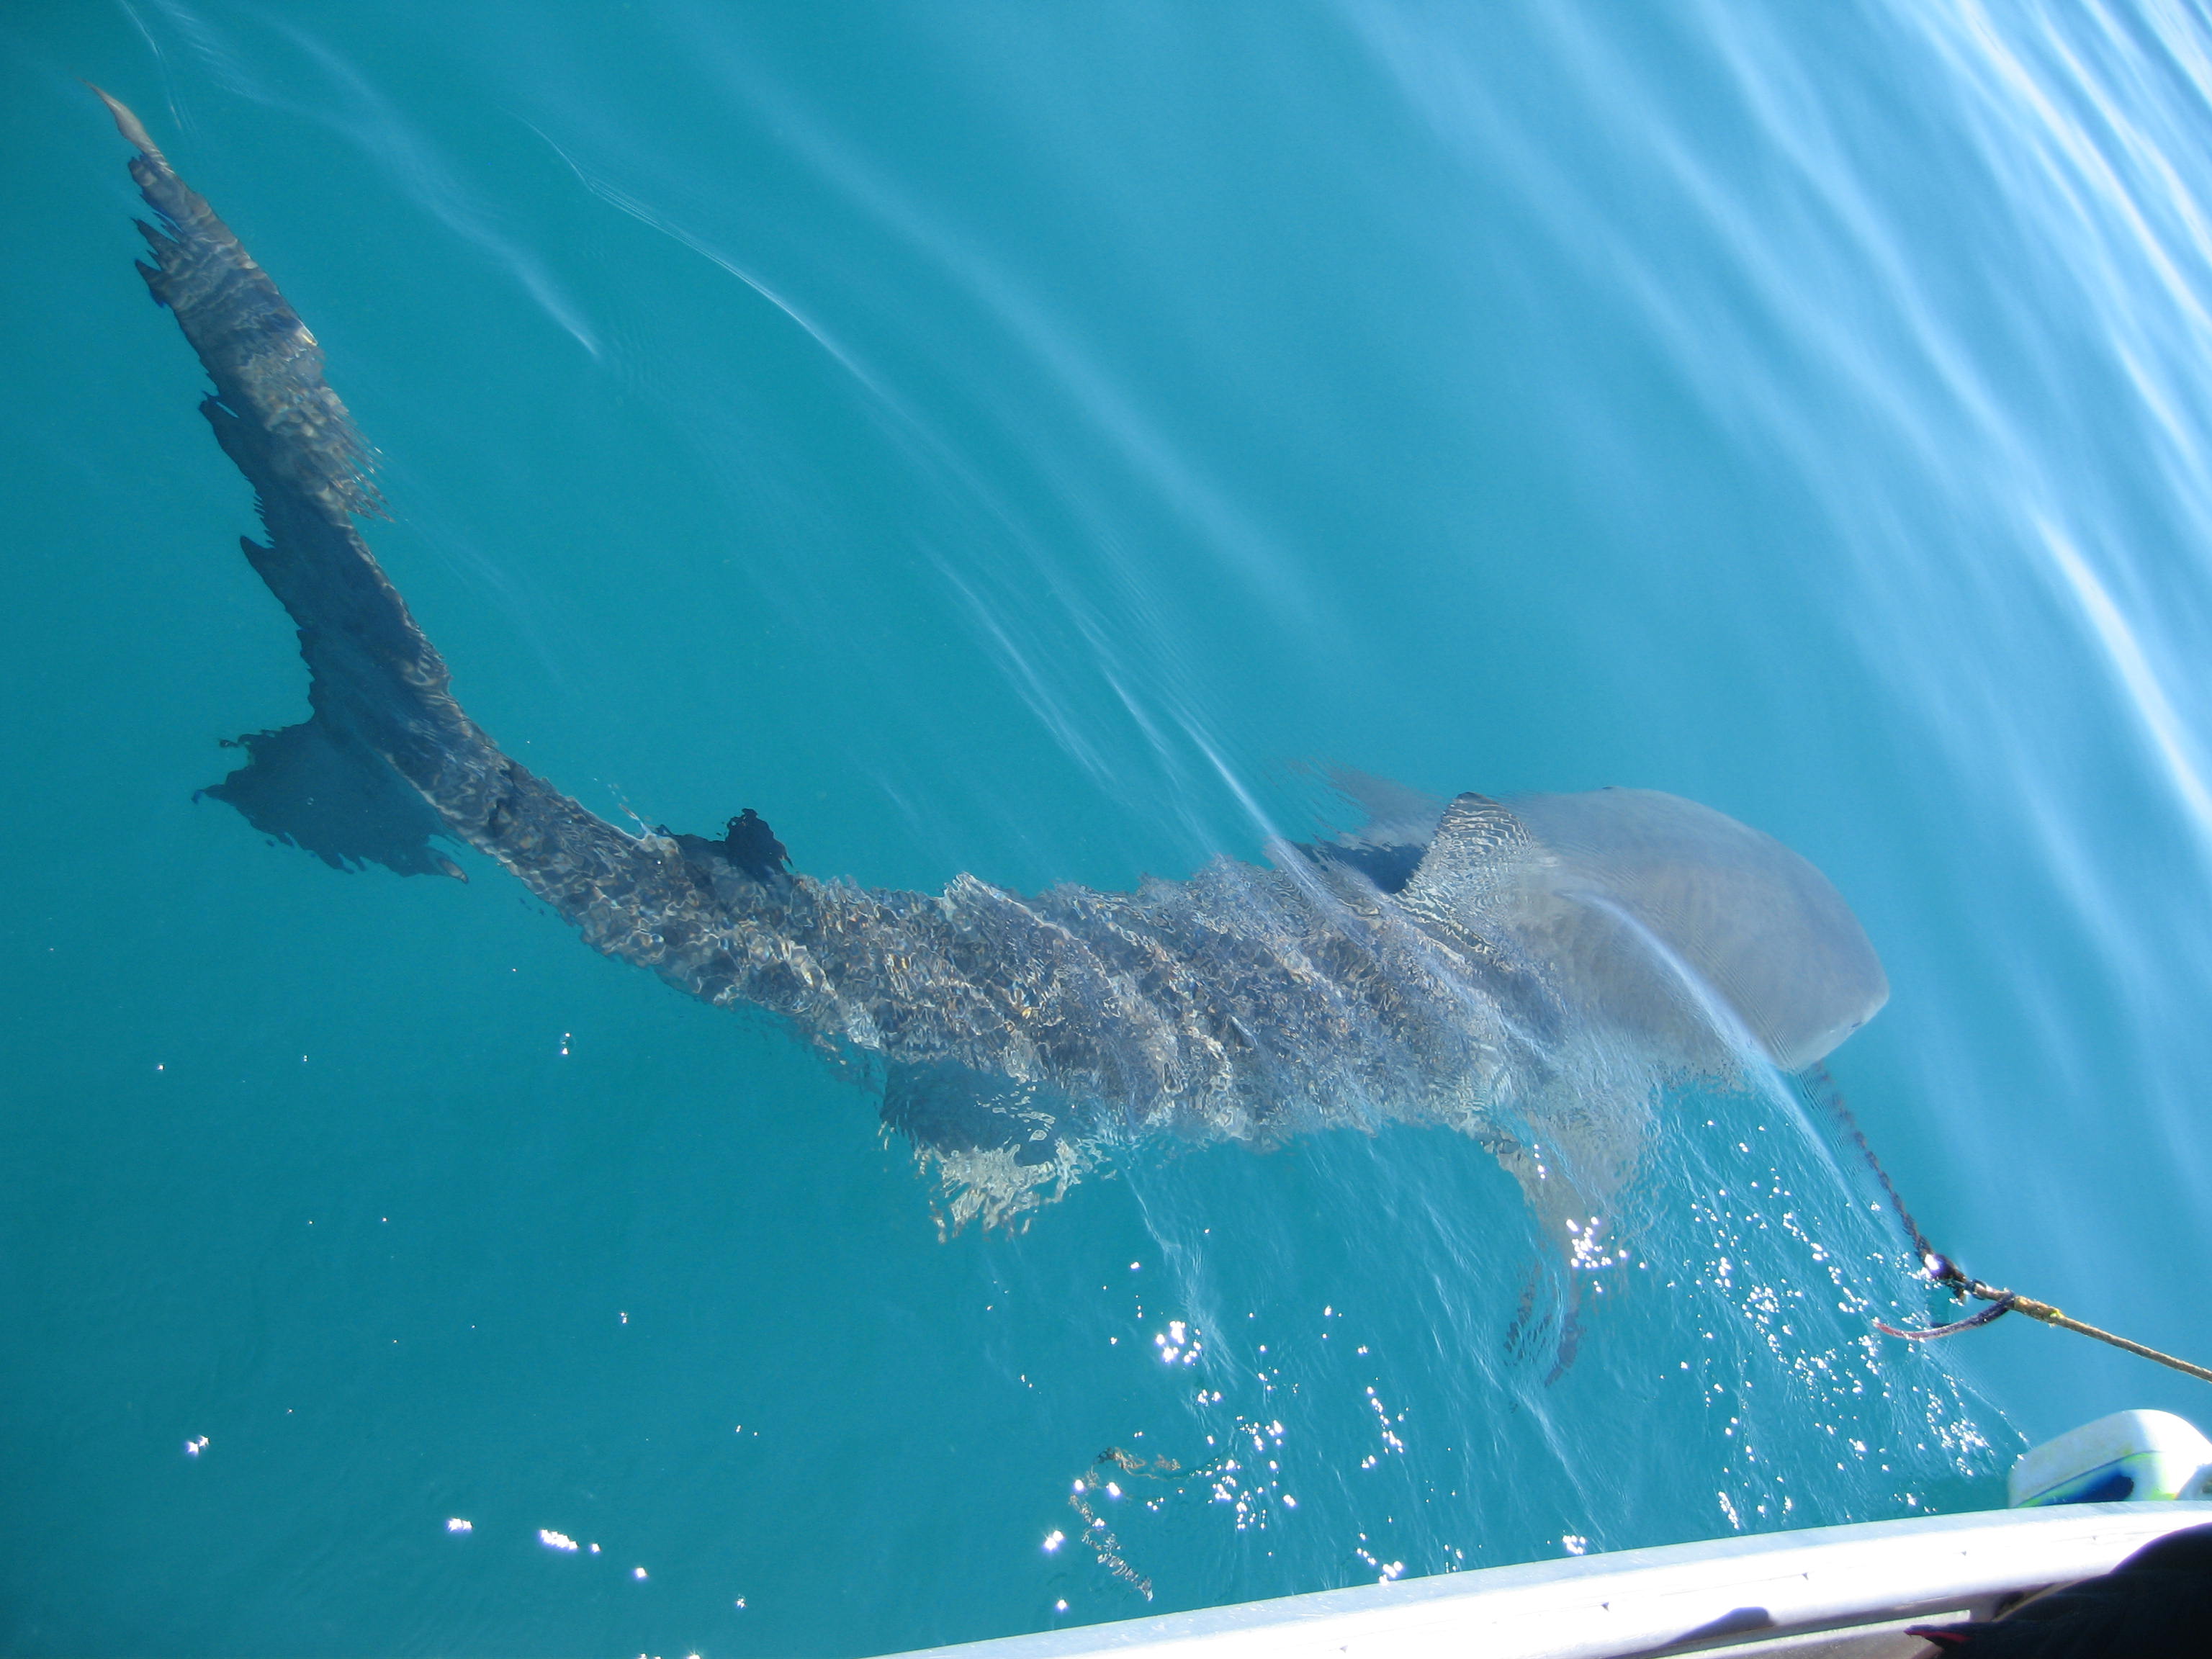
(1018, 439)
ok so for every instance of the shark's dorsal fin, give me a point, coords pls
(1477, 842)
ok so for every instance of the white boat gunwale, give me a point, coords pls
(1742, 1595)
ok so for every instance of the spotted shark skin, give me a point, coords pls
(1016, 1037)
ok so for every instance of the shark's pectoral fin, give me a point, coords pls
(322, 791)
(1548, 1322)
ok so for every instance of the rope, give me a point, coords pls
(2002, 1306)
(1941, 1270)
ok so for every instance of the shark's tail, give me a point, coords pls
(389, 760)
(268, 369)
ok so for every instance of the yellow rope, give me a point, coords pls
(2050, 1315)
(1943, 1271)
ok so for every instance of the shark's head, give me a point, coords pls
(1662, 916)
(1746, 922)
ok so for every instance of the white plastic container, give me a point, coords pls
(2130, 1456)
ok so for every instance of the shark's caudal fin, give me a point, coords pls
(325, 784)
(388, 760)
(268, 369)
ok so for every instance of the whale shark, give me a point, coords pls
(1530, 972)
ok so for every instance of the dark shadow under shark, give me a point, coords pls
(1528, 974)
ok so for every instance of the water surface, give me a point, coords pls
(1020, 442)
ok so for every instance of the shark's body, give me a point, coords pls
(1478, 966)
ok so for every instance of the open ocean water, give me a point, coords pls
(1018, 439)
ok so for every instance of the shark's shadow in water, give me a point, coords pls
(1529, 973)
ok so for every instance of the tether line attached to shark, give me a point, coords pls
(1940, 1269)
